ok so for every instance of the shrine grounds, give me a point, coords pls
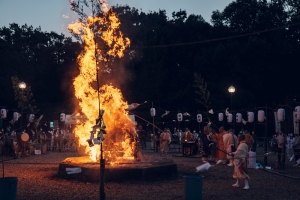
(38, 179)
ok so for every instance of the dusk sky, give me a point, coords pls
(55, 15)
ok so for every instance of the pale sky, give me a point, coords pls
(55, 15)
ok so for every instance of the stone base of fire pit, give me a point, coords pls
(148, 169)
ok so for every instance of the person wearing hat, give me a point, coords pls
(240, 156)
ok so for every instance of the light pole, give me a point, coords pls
(231, 90)
(22, 86)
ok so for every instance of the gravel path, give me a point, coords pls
(37, 179)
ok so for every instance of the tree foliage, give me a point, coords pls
(24, 96)
(251, 44)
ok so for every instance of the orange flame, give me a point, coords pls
(118, 143)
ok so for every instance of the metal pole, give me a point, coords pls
(231, 101)
(265, 140)
(153, 132)
(231, 109)
(3, 165)
(102, 170)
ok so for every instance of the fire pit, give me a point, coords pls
(103, 43)
(149, 169)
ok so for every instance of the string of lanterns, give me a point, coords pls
(280, 114)
(239, 119)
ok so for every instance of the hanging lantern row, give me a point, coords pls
(250, 115)
(16, 115)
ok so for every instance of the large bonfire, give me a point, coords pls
(118, 143)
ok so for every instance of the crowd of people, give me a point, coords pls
(27, 141)
(225, 147)
(286, 146)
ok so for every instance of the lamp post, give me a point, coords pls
(231, 90)
(22, 86)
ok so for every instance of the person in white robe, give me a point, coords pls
(239, 162)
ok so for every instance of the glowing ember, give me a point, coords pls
(118, 144)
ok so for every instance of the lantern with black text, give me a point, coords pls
(250, 117)
(297, 113)
(152, 112)
(261, 116)
(179, 117)
(199, 118)
(229, 118)
(238, 117)
(281, 114)
(62, 117)
(221, 117)
(3, 113)
(31, 118)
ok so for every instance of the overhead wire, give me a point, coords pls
(186, 43)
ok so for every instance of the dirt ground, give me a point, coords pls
(38, 179)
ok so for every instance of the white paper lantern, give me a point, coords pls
(297, 115)
(16, 116)
(179, 117)
(261, 116)
(31, 117)
(238, 117)
(281, 115)
(199, 118)
(250, 117)
(152, 112)
(229, 118)
(221, 117)
(62, 117)
(3, 113)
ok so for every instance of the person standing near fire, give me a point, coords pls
(221, 155)
(214, 139)
(205, 144)
(290, 140)
(50, 141)
(141, 137)
(248, 139)
(281, 141)
(187, 136)
(230, 144)
(56, 144)
(240, 156)
(296, 147)
(165, 140)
